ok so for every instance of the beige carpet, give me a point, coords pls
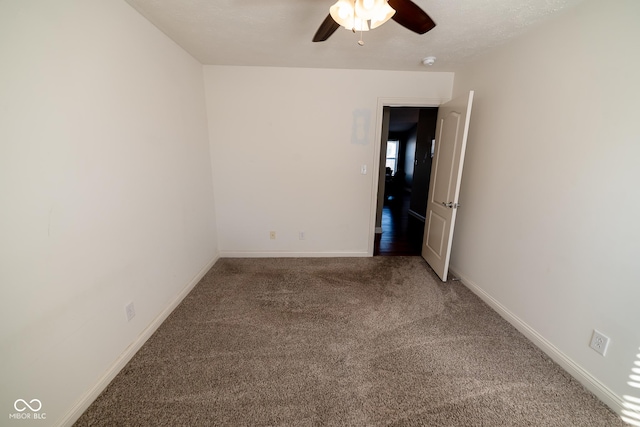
(361, 342)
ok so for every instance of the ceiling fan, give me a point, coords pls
(362, 15)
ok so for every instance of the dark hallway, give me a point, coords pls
(401, 232)
(406, 152)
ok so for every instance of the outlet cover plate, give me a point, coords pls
(130, 311)
(599, 342)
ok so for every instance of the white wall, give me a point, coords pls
(287, 147)
(549, 230)
(105, 193)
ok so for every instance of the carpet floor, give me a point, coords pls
(339, 341)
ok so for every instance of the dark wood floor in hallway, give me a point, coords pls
(401, 232)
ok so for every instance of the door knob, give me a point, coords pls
(451, 205)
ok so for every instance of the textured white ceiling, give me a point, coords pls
(279, 32)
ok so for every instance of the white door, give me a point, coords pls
(446, 171)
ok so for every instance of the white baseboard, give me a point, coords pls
(85, 401)
(283, 254)
(417, 215)
(604, 393)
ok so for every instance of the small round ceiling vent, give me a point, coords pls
(429, 60)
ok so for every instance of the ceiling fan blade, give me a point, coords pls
(410, 16)
(328, 27)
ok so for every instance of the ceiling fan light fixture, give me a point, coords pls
(359, 25)
(342, 12)
(367, 9)
(385, 13)
(361, 15)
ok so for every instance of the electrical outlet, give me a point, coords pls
(599, 342)
(130, 311)
(272, 235)
(301, 235)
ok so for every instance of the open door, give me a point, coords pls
(446, 172)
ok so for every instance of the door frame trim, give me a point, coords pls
(375, 170)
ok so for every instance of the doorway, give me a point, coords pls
(406, 151)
